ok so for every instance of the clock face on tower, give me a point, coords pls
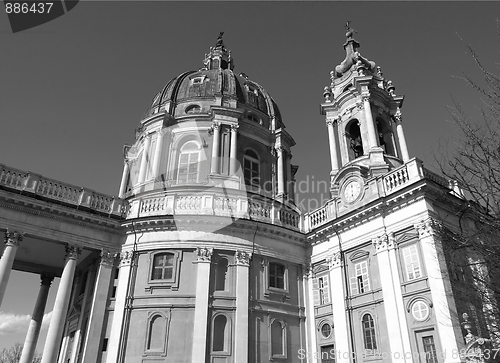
(352, 191)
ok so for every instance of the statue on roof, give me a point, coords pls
(349, 31)
(219, 40)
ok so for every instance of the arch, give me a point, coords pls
(385, 136)
(277, 334)
(368, 326)
(188, 162)
(221, 269)
(251, 167)
(220, 333)
(156, 333)
(354, 139)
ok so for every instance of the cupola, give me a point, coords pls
(363, 116)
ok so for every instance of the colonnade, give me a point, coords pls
(56, 329)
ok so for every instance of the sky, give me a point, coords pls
(72, 91)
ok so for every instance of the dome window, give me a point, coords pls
(187, 171)
(253, 118)
(251, 168)
(193, 109)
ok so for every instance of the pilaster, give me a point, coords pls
(341, 330)
(203, 260)
(242, 262)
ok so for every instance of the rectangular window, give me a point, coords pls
(429, 349)
(411, 262)
(163, 267)
(360, 281)
(328, 354)
(321, 290)
(104, 344)
(188, 168)
(276, 275)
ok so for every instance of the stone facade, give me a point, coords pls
(206, 258)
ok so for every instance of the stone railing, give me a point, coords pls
(204, 203)
(392, 182)
(35, 185)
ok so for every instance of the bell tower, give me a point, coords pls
(363, 117)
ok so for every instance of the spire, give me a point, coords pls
(218, 56)
(352, 55)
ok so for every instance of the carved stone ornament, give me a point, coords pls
(398, 118)
(234, 128)
(107, 258)
(242, 258)
(204, 254)
(426, 228)
(72, 252)
(334, 260)
(215, 125)
(307, 271)
(126, 258)
(366, 98)
(384, 242)
(332, 121)
(13, 238)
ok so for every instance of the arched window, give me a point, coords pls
(163, 266)
(156, 333)
(189, 157)
(278, 339)
(355, 142)
(220, 334)
(194, 108)
(385, 138)
(221, 274)
(251, 168)
(370, 342)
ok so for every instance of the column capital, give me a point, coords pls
(242, 258)
(332, 121)
(334, 260)
(13, 238)
(306, 271)
(216, 125)
(107, 258)
(72, 252)
(398, 117)
(365, 97)
(204, 254)
(279, 150)
(46, 280)
(126, 258)
(427, 227)
(383, 242)
(234, 127)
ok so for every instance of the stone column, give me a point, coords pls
(370, 126)
(340, 323)
(397, 327)
(333, 145)
(145, 159)
(12, 241)
(242, 261)
(445, 310)
(398, 119)
(311, 322)
(126, 260)
(214, 167)
(288, 167)
(98, 308)
(204, 257)
(281, 179)
(56, 327)
(158, 152)
(232, 154)
(36, 320)
(123, 184)
(78, 332)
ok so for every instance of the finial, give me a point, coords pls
(327, 93)
(349, 31)
(219, 40)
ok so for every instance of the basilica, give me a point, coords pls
(204, 256)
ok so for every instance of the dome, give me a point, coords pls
(214, 84)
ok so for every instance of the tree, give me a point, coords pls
(13, 354)
(473, 251)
